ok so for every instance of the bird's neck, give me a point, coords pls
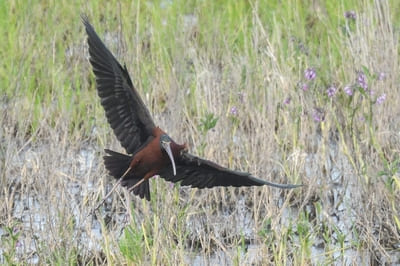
(157, 132)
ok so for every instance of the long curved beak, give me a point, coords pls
(167, 148)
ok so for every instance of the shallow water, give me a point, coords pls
(338, 210)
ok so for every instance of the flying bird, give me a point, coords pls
(151, 151)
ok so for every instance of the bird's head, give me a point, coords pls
(165, 143)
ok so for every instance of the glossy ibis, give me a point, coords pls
(152, 151)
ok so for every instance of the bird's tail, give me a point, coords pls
(116, 163)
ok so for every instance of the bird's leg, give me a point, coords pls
(146, 177)
(126, 172)
(137, 184)
(108, 194)
(112, 190)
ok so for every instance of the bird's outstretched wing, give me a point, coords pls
(125, 110)
(199, 173)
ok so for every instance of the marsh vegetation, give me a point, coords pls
(299, 92)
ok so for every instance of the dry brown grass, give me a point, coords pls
(51, 171)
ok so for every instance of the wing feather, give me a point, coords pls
(200, 173)
(125, 110)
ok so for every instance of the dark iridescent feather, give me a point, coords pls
(125, 110)
(116, 163)
(196, 172)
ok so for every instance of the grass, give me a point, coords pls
(229, 78)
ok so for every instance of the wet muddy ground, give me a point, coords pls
(27, 202)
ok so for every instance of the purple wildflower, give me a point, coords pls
(381, 75)
(348, 90)
(362, 80)
(318, 115)
(287, 100)
(18, 244)
(234, 111)
(331, 91)
(304, 86)
(351, 14)
(310, 74)
(381, 98)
